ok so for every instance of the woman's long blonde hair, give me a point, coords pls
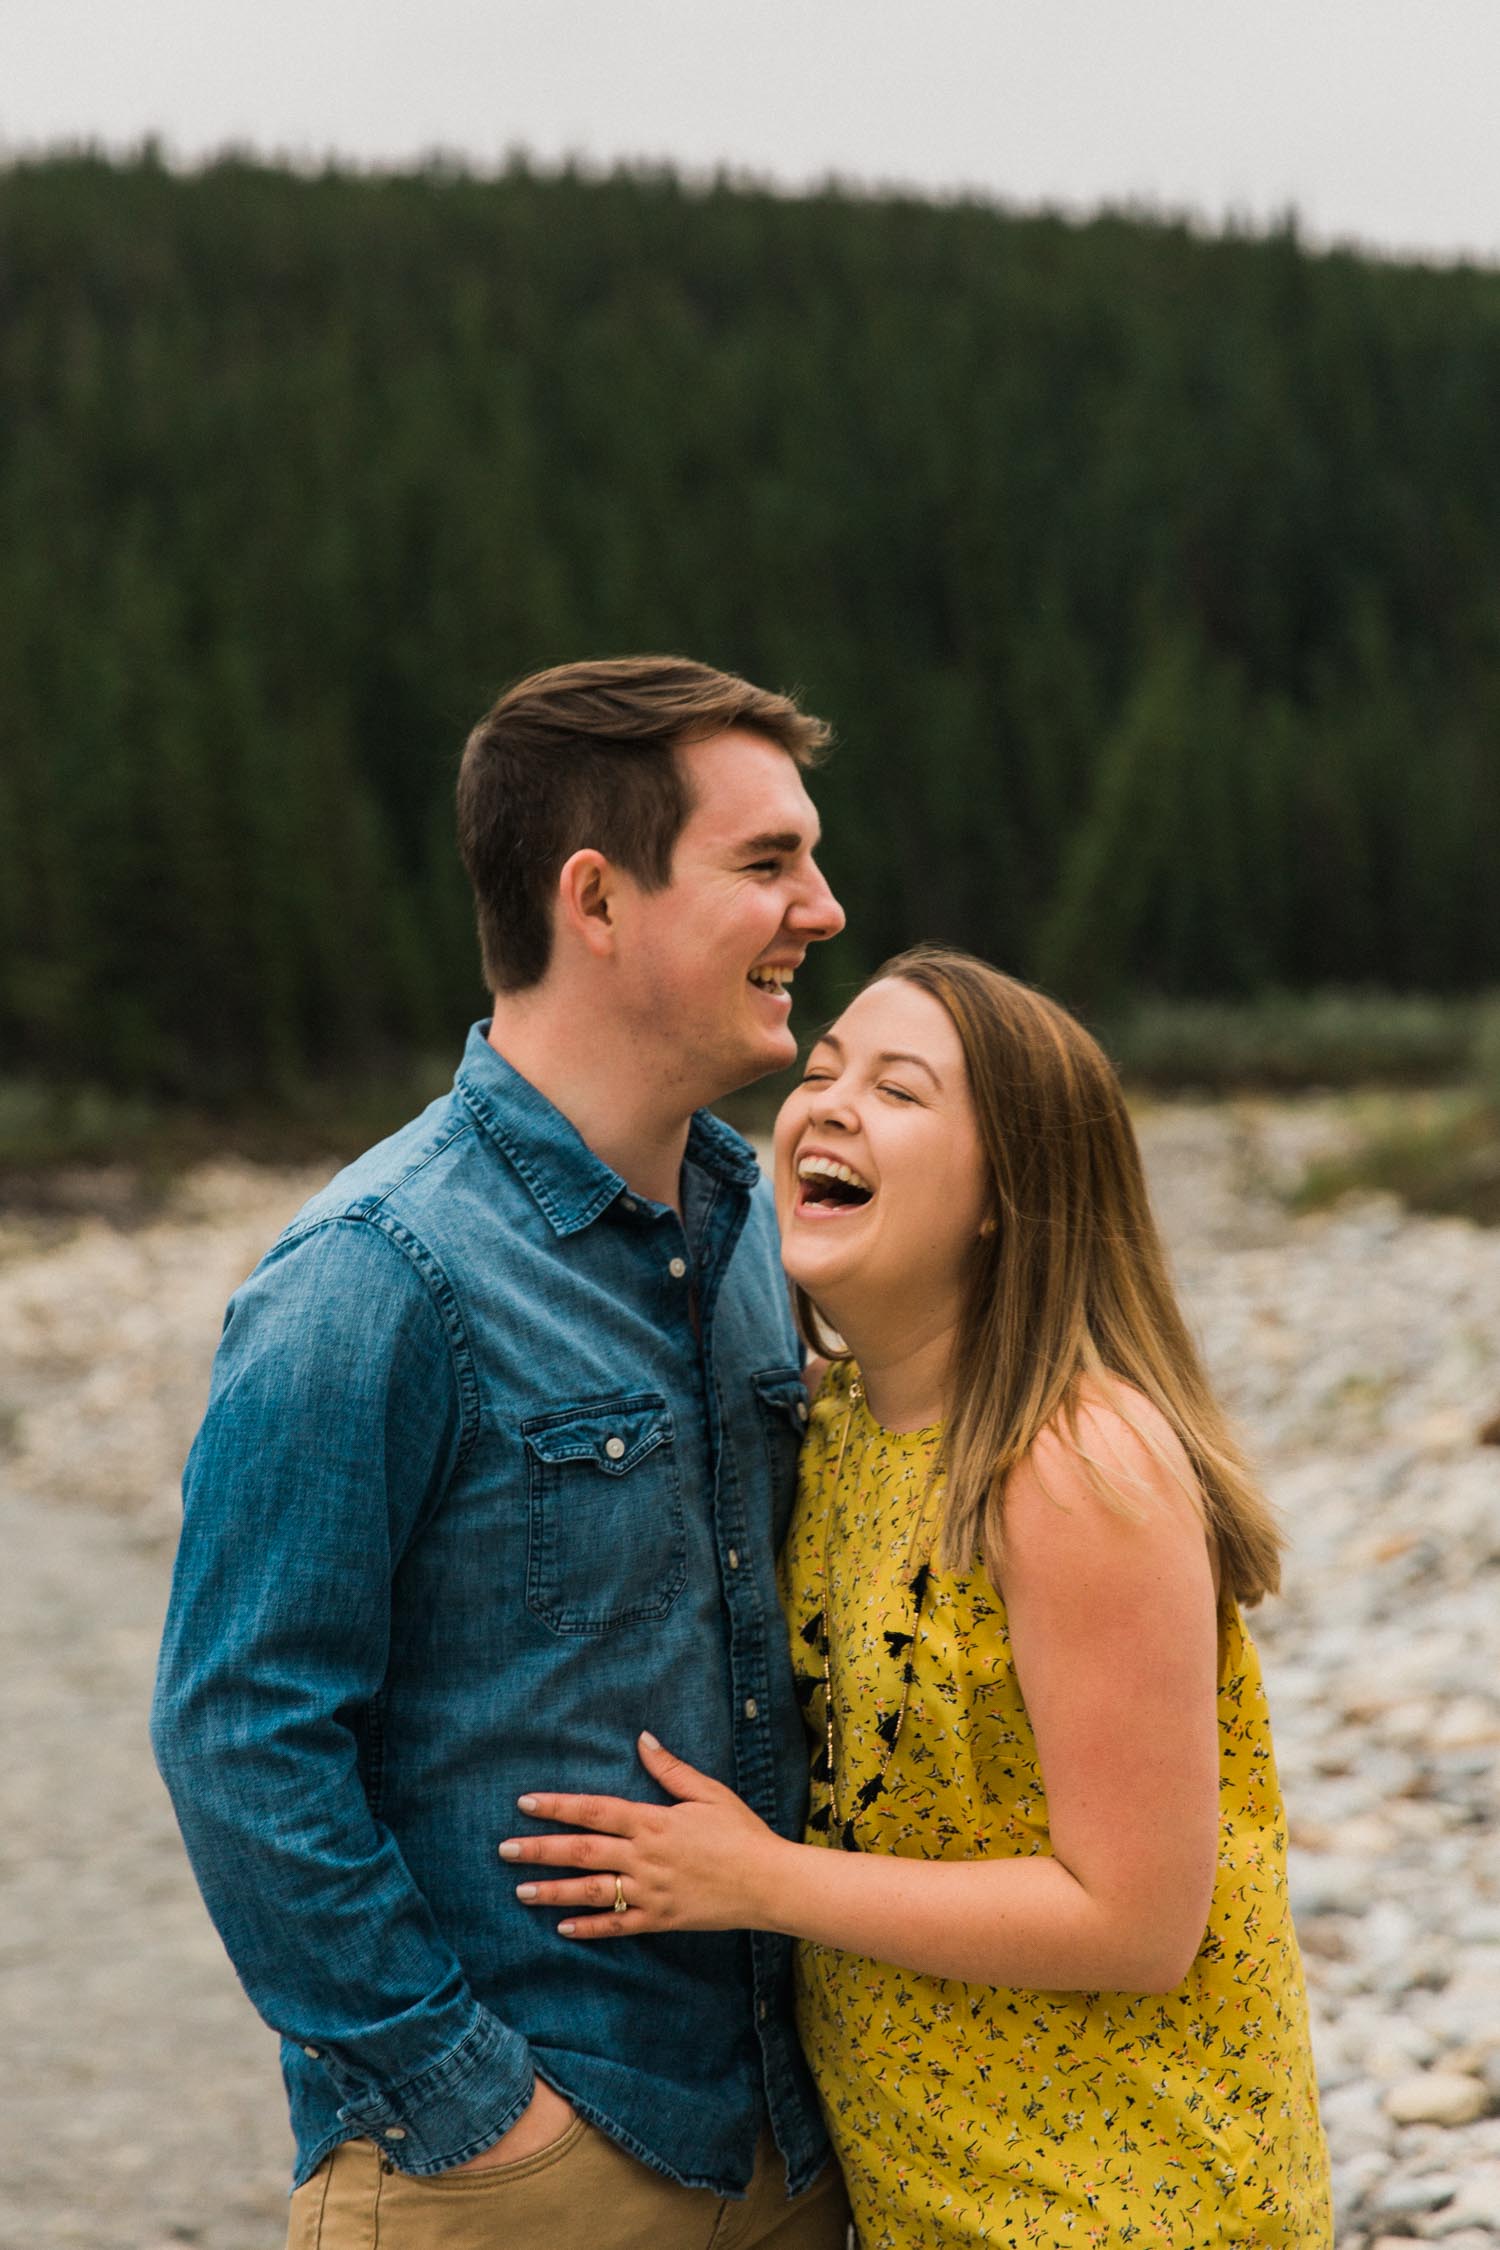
(1071, 1284)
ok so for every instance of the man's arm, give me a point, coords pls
(335, 1419)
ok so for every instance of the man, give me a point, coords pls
(499, 1446)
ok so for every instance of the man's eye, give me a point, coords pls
(765, 867)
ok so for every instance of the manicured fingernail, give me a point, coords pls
(566, 1929)
(649, 1740)
(526, 1890)
(510, 1851)
(527, 1804)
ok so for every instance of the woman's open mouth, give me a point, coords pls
(827, 1189)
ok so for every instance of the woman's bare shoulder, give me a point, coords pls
(1115, 1458)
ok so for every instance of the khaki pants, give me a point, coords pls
(582, 2193)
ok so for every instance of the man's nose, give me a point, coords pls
(818, 913)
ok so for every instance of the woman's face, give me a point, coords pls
(886, 1099)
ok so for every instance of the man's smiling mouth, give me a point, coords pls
(774, 980)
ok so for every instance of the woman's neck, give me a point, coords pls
(903, 1365)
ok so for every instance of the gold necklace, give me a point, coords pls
(816, 1633)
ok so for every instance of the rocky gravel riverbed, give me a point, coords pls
(1361, 1352)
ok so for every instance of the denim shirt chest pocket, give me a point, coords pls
(606, 1544)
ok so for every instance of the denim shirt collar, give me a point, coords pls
(570, 1185)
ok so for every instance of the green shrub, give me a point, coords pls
(1443, 1159)
(1290, 1042)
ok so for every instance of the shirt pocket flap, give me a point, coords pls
(782, 1392)
(613, 1436)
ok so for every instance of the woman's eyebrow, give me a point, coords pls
(886, 1055)
(898, 1055)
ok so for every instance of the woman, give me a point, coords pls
(1048, 1982)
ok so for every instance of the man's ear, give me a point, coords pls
(586, 892)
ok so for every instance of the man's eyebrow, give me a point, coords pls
(887, 1055)
(784, 840)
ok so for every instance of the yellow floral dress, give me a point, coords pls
(967, 2114)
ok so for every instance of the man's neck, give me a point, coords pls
(601, 1091)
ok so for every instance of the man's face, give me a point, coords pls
(704, 963)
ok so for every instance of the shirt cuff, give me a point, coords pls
(455, 2109)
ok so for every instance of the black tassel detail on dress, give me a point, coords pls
(815, 1632)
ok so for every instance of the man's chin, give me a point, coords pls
(764, 1060)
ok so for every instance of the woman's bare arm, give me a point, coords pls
(1113, 1628)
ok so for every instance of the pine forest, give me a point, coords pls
(1150, 580)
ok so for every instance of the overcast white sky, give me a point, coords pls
(1379, 120)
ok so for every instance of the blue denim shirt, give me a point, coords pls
(473, 1503)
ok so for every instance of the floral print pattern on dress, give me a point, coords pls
(968, 2114)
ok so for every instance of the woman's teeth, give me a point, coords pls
(831, 1182)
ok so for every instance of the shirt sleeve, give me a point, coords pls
(335, 1418)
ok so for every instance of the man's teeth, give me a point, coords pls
(824, 1168)
(773, 980)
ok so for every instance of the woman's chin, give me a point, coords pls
(825, 1271)
(805, 1262)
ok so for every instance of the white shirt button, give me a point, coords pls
(628, 1203)
(394, 2133)
(314, 2054)
(762, 2011)
(677, 1268)
(801, 1410)
(614, 1447)
(734, 1558)
(752, 1708)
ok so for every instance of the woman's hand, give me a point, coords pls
(705, 1863)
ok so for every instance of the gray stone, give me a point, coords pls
(1358, 2182)
(1437, 2097)
(1326, 1885)
(1400, 2198)
(1354, 2118)
(1476, 2204)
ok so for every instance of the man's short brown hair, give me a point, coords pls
(582, 757)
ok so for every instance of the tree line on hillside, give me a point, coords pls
(1150, 581)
